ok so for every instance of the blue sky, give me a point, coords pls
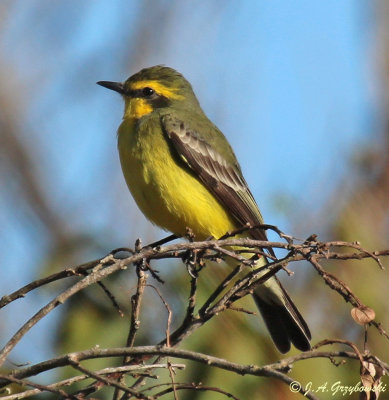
(290, 84)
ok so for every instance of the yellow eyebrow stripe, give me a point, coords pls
(159, 88)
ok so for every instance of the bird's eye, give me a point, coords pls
(147, 91)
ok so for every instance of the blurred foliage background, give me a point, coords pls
(299, 90)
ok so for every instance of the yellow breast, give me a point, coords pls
(163, 187)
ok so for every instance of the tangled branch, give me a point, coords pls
(136, 359)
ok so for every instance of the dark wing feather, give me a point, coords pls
(226, 182)
(222, 178)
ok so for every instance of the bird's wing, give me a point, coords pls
(225, 181)
(221, 178)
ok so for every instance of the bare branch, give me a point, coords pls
(232, 288)
(79, 378)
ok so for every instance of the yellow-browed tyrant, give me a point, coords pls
(183, 174)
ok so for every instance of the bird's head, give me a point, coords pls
(153, 88)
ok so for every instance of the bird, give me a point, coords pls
(183, 173)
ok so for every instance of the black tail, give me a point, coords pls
(281, 316)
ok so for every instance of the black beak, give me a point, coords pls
(116, 86)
